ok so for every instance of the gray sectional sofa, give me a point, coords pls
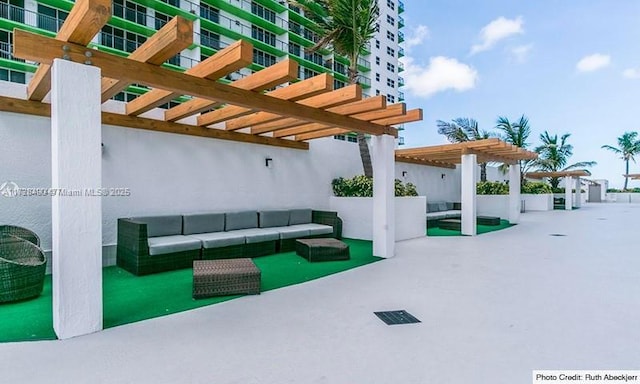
(440, 211)
(160, 243)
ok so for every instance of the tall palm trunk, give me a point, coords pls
(483, 172)
(626, 177)
(363, 146)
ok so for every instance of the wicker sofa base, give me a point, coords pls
(155, 263)
(230, 252)
(225, 277)
(259, 249)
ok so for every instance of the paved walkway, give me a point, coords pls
(493, 308)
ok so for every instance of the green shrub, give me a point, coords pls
(613, 190)
(492, 188)
(536, 188)
(362, 186)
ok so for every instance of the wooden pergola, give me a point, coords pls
(572, 180)
(469, 154)
(448, 155)
(268, 107)
(633, 176)
(243, 110)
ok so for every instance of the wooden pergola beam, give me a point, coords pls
(447, 147)
(349, 109)
(170, 40)
(30, 46)
(410, 160)
(339, 96)
(269, 77)
(85, 20)
(230, 59)
(322, 133)
(410, 116)
(305, 128)
(296, 91)
(42, 109)
(541, 174)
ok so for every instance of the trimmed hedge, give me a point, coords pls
(362, 186)
(492, 188)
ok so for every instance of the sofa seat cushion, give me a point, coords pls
(258, 235)
(159, 226)
(219, 239)
(292, 232)
(171, 244)
(443, 215)
(316, 229)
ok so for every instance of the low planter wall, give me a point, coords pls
(623, 197)
(357, 216)
(542, 202)
(493, 205)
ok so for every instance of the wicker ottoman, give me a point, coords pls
(322, 249)
(225, 277)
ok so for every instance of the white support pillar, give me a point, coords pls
(568, 195)
(468, 171)
(514, 193)
(76, 160)
(578, 188)
(383, 161)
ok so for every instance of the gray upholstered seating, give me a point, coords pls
(148, 244)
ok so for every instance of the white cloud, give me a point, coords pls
(417, 36)
(499, 29)
(631, 73)
(442, 74)
(593, 62)
(521, 52)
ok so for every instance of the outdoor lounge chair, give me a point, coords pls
(20, 232)
(22, 269)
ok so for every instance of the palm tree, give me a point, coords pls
(628, 147)
(347, 26)
(464, 129)
(553, 156)
(516, 133)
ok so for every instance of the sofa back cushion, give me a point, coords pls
(273, 218)
(161, 225)
(433, 207)
(202, 223)
(449, 206)
(299, 216)
(241, 220)
(442, 206)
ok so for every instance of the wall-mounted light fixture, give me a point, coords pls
(442, 175)
(268, 162)
(404, 173)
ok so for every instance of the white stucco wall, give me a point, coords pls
(357, 216)
(542, 202)
(429, 181)
(493, 205)
(169, 173)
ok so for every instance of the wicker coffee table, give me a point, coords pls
(322, 249)
(225, 277)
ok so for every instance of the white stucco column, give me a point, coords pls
(468, 173)
(568, 195)
(514, 193)
(383, 161)
(76, 220)
(578, 188)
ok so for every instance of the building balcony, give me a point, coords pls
(400, 96)
(400, 37)
(365, 82)
(364, 65)
(400, 66)
(400, 52)
(400, 81)
(400, 22)
(400, 6)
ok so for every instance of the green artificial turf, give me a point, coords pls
(435, 231)
(129, 298)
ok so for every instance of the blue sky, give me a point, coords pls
(571, 66)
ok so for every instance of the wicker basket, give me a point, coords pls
(20, 232)
(22, 269)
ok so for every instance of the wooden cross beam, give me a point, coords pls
(170, 40)
(276, 74)
(30, 46)
(230, 59)
(85, 20)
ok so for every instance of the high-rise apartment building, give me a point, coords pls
(276, 30)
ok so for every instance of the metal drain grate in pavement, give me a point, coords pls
(396, 317)
(557, 234)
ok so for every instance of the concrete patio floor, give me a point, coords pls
(493, 308)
